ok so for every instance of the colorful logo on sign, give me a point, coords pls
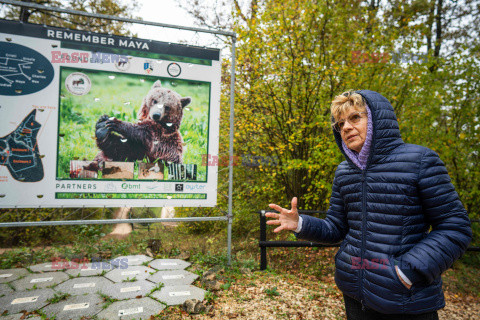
(78, 83)
(148, 67)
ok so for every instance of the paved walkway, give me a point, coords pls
(128, 287)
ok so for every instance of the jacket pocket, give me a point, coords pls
(396, 277)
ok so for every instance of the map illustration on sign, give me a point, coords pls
(22, 70)
(19, 151)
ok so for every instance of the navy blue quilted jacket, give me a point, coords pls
(383, 215)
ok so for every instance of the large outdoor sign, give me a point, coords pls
(100, 120)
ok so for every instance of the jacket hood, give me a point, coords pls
(386, 132)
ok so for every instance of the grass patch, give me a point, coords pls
(156, 288)
(39, 313)
(130, 280)
(210, 297)
(460, 280)
(271, 292)
(33, 288)
(106, 299)
(57, 297)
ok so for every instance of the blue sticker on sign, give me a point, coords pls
(22, 70)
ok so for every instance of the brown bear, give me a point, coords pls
(156, 136)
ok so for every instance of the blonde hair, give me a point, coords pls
(341, 104)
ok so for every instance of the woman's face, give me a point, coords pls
(354, 134)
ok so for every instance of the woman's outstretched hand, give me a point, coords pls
(287, 219)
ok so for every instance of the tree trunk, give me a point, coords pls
(25, 13)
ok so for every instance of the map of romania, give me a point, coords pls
(19, 151)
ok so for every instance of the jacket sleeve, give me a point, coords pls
(451, 227)
(333, 228)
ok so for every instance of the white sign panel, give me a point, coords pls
(130, 289)
(25, 300)
(179, 293)
(173, 276)
(84, 285)
(77, 306)
(100, 120)
(130, 273)
(38, 280)
(130, 311)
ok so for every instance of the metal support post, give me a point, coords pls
(230, 170)
(263, 239)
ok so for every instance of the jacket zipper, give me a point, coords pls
(364, 213)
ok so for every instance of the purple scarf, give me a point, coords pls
(360, 159)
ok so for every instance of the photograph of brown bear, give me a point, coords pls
(155, 136)
(118, 170)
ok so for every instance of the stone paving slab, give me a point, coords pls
(88, 283)
(169, 264)
(134, 260)
(47, 267)
(42, 280)
(19, 316)
(173, 278)
(129, 290)
(174, 295)
(82, 285)
(132, 309)
(5, 289)
(90, 269)
(75, 307)
(8, 275)
(25, 300)
(135, 272)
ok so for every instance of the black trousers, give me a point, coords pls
(354, 311)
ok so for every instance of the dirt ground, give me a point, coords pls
(264, 296)
(299, 284)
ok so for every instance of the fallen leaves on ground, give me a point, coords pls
(251, 297)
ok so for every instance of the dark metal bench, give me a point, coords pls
(263, 243)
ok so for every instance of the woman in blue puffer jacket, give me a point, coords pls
(385, 197)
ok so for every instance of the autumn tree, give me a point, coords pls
(109, 7)
(294, 57)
